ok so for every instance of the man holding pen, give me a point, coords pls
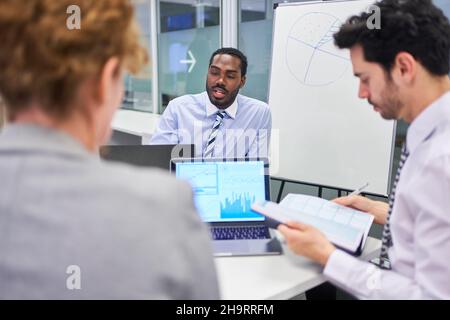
(403, 70)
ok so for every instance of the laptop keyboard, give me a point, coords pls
(236, 233)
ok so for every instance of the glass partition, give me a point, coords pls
(189, 34)
(138, 89)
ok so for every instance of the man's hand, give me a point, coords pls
(376, 208)
(307, 241)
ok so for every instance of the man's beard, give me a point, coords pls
(222, 104)
(390, 105)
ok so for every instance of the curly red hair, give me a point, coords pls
(42, 61)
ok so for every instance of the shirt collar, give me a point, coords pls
(212, 109)
(427, 121)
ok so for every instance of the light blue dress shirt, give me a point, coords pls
(420, 221)
(189, 120)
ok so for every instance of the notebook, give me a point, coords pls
(224, 190)
(345, 227)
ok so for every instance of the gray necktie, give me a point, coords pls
(383, 261)
(212, 137)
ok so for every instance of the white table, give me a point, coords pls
(274, 277)
(141, 124)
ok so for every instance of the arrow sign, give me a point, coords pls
(192, 61)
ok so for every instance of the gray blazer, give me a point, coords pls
(73, 227)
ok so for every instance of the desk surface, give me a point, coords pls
(135, 122)
(274, 277)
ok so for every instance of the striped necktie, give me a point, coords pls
(209, 150)
(386, 241)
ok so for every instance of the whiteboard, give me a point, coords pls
(322, 132)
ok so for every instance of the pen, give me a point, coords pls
(359, 190)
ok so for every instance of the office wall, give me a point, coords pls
(444, 5)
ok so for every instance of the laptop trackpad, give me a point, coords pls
(244, 247)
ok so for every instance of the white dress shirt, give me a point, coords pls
(420, 221)
(230, 111)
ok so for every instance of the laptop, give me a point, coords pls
(147, 155)
(224, 190)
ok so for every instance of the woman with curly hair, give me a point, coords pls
(72, 227)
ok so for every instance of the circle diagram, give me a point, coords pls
(312, 58)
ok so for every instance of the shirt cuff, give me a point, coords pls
(339, 268)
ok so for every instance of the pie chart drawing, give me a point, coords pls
(311, 56)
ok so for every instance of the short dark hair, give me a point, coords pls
(414, 26)
(232, 52)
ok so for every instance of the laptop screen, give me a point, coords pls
(224, 191)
